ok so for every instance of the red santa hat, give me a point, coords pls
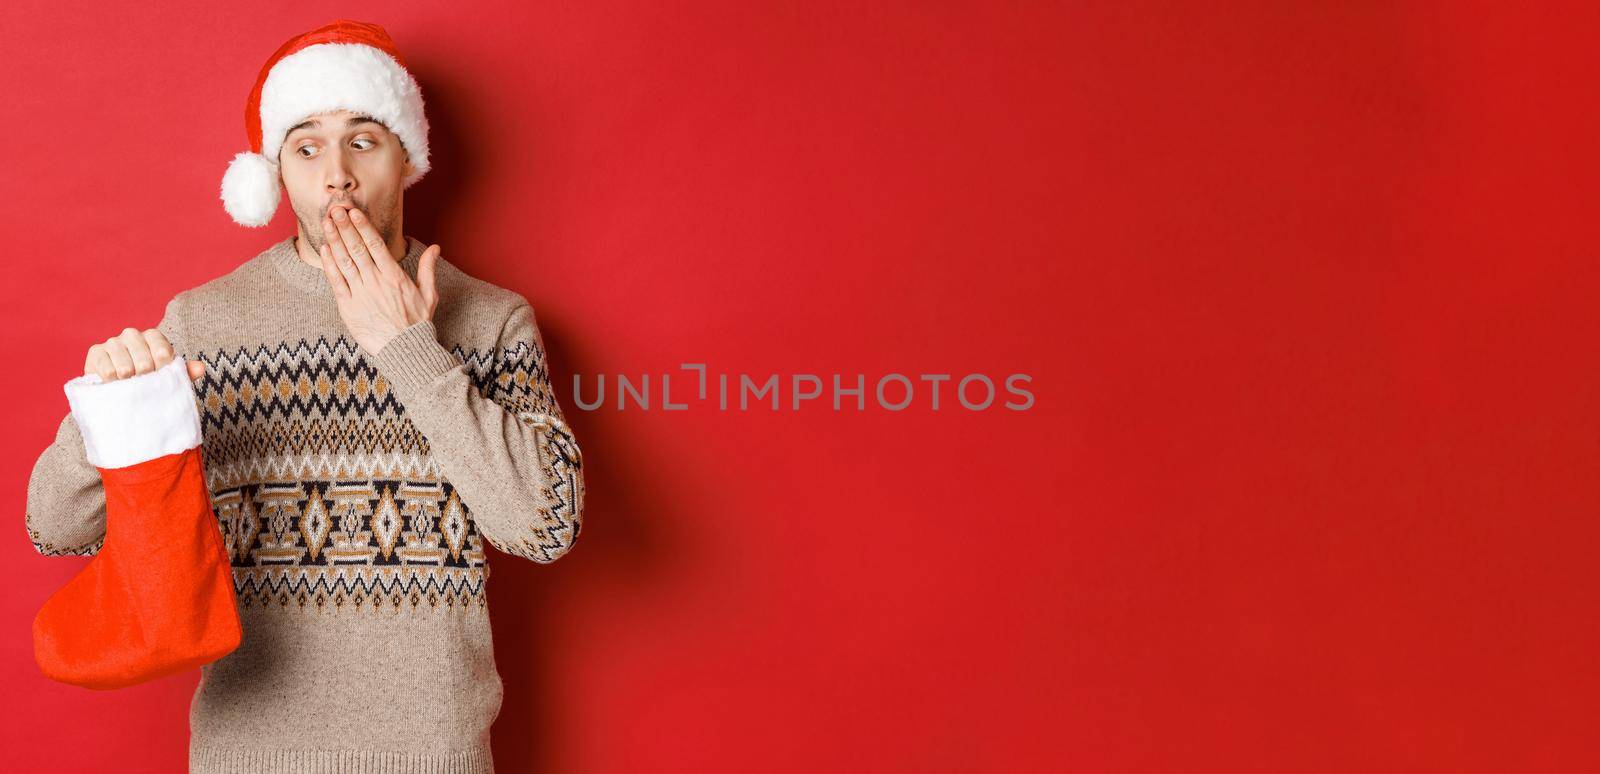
(343, 65)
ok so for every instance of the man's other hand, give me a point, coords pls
(134, 352)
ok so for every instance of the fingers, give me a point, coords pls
(118, 365)
(129, 353)
(160, 349)
(425, 277)
(137, 351)
(341, 251)
(355, 244)
(338, 278)
(197, 370)
(372, 243)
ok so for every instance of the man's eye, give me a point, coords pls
(301, 150)
(365, 140)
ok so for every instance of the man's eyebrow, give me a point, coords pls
(352, 121)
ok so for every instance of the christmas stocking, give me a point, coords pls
(158, 597)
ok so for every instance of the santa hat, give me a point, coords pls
(344, 65)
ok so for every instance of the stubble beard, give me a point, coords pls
(311, 224)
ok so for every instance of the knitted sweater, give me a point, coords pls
(354, 494)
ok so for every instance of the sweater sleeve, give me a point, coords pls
(66, 508)
(502, 441)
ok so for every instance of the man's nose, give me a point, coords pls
(339, 177)
(341, 180)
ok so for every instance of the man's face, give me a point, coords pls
(342, 157)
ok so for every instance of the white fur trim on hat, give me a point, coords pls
(344, 76)
(250, 189)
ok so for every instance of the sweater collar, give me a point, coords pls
(310, 279)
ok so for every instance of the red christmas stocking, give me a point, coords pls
(158, 597)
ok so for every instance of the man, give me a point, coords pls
(371, 415)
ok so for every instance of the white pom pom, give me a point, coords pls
(250, 190)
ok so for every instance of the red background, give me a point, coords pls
(1307, 295)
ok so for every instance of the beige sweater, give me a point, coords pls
(355, 494)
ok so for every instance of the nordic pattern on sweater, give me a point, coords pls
(328, 495)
